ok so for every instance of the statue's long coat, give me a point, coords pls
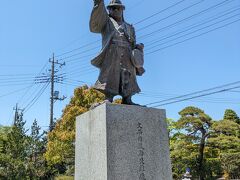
(109, 58)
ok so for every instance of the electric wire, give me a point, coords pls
(17, 78)
(97, 47)
(178, 12)
(159, 12)
(89, 55)
(14, 84)
(82, 69)
(35, 99)
(185, 19)
(83, 46)
(4, 75)
(74, 80)
(32, 85)
(204, 99)
(75, 75)
(235, 91)
(198, 96)
(13, 92)
(197, 92)
(206, 21)
(225, 25)
(191, 32)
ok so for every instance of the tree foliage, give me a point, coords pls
(231, 116)
(197, 124)
(195, 136)
(225, 138)
(14, 153)
(21, 155)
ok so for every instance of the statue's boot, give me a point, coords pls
(128, 100)
(108, 98)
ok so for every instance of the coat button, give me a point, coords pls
(122, 55)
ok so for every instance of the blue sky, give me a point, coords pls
(30, 31)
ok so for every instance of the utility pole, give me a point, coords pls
(54, 94)
(52, 91)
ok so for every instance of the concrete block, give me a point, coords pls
(121, 142)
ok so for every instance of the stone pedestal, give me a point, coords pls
(121, 142)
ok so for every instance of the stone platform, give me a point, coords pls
(121, 142)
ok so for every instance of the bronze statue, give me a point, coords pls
(120, 59)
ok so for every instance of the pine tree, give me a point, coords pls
(225, 139)
(37, 167)
(14, 161)
(197, 124)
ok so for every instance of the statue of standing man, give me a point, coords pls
(120, 59)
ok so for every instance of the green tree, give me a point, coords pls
(60, 146)
(36, 165)
(3, 143)
(195, 124)
(184, 154)
(225, 140)
(21, 155)
(231, 116)
(14, 151)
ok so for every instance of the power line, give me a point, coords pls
(74, 80)
(5, 75)
(89, 55)
(184, 9)
(213, 18)
(37, 96)
(159, 12)
(19, 65)
(14, 84)
(16, 78)
(86, 45)
(185, 19)
(16, 91)
(82, 74)
(15, 81)
(235, 91)
(78, 68)
(192, 31)
(205, 99)
(69, 84)
(80, 53)
(202, 95)
(33, 83)
(197, 92)
(193, 37)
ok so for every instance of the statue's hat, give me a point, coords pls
(115, 3)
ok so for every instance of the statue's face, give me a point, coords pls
(116, 12)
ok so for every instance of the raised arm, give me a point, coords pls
(99, 17)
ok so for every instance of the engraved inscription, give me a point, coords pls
(141, 152)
